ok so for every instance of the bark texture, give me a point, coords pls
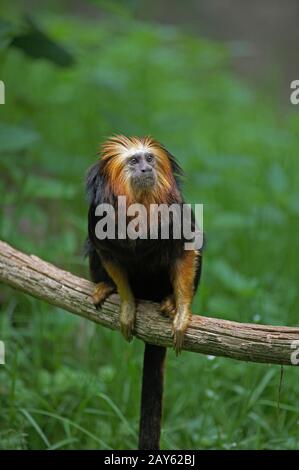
(242, 341)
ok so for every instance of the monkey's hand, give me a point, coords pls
(101, 291)
(127, 318)
(167, 307)
(181, 317)
(180, 324)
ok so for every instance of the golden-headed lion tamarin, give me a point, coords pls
(161, 270)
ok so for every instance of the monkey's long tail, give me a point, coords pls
(151, 397)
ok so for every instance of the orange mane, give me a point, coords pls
(115, 152)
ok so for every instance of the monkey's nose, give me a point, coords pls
(146, 169)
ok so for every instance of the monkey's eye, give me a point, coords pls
(133, 161)
(149, 158)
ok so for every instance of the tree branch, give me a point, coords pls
(243, 341)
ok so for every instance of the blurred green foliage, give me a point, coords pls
(70, 385)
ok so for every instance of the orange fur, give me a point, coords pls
(183, 278)
(116, 150)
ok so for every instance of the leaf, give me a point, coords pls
(63, 443)
(259, 389)
(48, 188)
(7, 30)
(72, 423)
(14, 138)
(35, 43)
(233, 280)
(35, 425)
(277, 179)
(117, 411)
(233, 220)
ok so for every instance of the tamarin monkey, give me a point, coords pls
(160, 270)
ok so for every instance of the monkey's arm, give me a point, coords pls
(183, 279)
(127, 309)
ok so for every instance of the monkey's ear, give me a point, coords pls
(95, 184)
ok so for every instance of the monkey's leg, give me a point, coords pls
(127, 307)
(183, 286)
(104, 287)
(167, 306)
(101, 291)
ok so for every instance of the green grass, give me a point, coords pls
(68, 384)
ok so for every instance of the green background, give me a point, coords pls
(67, 383)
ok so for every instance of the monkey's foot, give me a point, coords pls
(167, 307)
(127, 319)
(101, 292)
(179, 327)
(178, 340)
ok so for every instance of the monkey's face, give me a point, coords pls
(141, 171)
(139, 167)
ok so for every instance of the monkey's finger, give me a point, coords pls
(101, 292)
(127, 331)
(127, 319)
(167, 307)
(178, 340)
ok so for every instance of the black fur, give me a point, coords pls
(151, 397)
(147, 262)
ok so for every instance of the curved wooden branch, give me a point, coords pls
(242, 341)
